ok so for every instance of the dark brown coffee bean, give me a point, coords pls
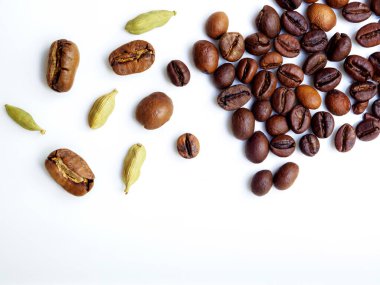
(276, 125)
(309, 145)
(322, 124)
(339, 47)
(314, 41)
(314, 62)
(299, 119)
(282, 145)
(345, 138)
(217, 25)
(376, 108)
(234, 97)
(356, 12)
(285, 176)
(294, 23)
(262, 182)
(337, 4)
(375, 7)
(283, 100)
(188, 146)
(374, 59)
(246, 70)
(359, 107)
(363, 91)
(257, 44)
(70, 171)
(257, 147)
(206, 56)
(289, 4)
(337, 102)
(63, 62)
(359, 68)
(231, 46)
(367, 116)
(243, 124)
(261, 110)
(290, 75)
(263, 85)
(287, 45)
(268, 22)
(133, 57)
(224, 75)
(271, 60)
(327, 79)
(368, 129)
(369, 35)
(178, 73)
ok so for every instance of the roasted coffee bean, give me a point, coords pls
(339, 47)
(276, 125)
(290, 75)
(188, 146)
(375, 7)
(368, 129)
(263, 85)
(359, 68)
(309, 145)
(314, 62)
(367, 116)
(257, 147)
(308, 97)
(262, 182)
(178, 72)
(217, 25)
(327, 79)
(321, 17)
(289, 4)
(261, 110)
(268, 22)
(271, 60)
(224, 75)
(345, 138)
(287, 45)
(356, 12)
(374, 59)
(299, 119)
(369, 35)
(234, 97)
(257, 44)
(314, 41)
(133, 57)
(206, 56)
(337, 4)
(310, 1)
(285, 176)
(363, 91)
(70, 171)
(294, 23)
(282, 145)
(246, 70)
(322, 124)
(63, 62)
(283, 100)
(243, 124)
(376, 108)
(359, 107)
(231, 46)
(337, 102)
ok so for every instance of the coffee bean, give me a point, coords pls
(263, 85)
(314, 41)
(285, 176)
(217, 25)
(188, 146)
(246, 70)
(356, 12)
(224, 75)
(257, 44)
(178, 73)
(337, 4)
(268, 22)
(309, 144)
(276, 125)
(261, 110)
(299, 119)
(339, 47)
(363, 91)
(322, 124)
(314, 62)
(368, 129)
(359, 107)
(289, 4)
(376, 108)
(287, 45)
(206, 56)
(369, 35)
(327, 79)
(290, 75)
(262, 182)
(359, 68)
(231, 46)
(367, 116)
(282, 145)
(243, 124)
(271, 60)
(375, 7)
(234, 97)
(337, 102)
(308, 97)
(294, 23)
(321, 17)
(257, 147)
(374, 59)
(283, 100)
(345, 138)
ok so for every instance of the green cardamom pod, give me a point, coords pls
(23, 118)
(101, 110)
(148, 21)
(132, 165)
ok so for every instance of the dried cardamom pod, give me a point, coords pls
(148, 21)
(132, 165)
(23, 118)
(101, 110)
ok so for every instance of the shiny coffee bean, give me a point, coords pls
(322, 124)
(231, 46)
(263, 85)
(299, 119)
(289, 4)
(268, 22)
(345, 138)
(287, 45)
(262, 182)
(337, 102)
(290, 75)
(368, 129)
(309, 144)
(363, 91)
(308, 97)
(285, 176)
(276, 125)
(257, 44)
(246, 70)
(376, 108)
(234, 97)
(261, 110)
(321, 17)
(375, 7)
(374, 59)
(224, 75)
(294, 23)
(283, 100)
(314, 62)
(257, 147)
(314, 41)
(369, 35)
(217, 25)
(206, 56)
(282, 145)
(178, 73)
(356, 12)
(359, 68)
(359, 107)
(243, 124)
(271, 60)
(188, 146)
(327, 79)
(339, 47)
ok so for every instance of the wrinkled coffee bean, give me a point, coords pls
(339, 47)
(359, 107)
(283, 100)
(345, 138)
(308, 97)
(375, 7)
(246, 70)
(321, 17)
(289, 4)
(290, 75)
(271, 60)
(287, 45)
(314, 41)
(337, 4)
(309, 145)
(224, 75)
(368, 129)
(261, 110)
(234, 97)
(359, 68)
(337, 102)
(363, 91)
(285, 176)
(262, 182)
(257, 147)
(314, 62)
(268, 22)
(299, 119)
(322, 124)
(356, 12)
(374, 59)
(206, 56)
(178, 72)
(327, 79)
(243, 124)
(263, 85)
(231, 46)
(217, 25)
(282, 145)
(257, 44)
(294, 23)
(369, 35)
(376, 108)
(188, 146)
(276, 125)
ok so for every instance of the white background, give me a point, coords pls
(185, 221)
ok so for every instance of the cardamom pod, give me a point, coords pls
(132, 165)
(101, 110)
(148, 21)
(23, 118)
